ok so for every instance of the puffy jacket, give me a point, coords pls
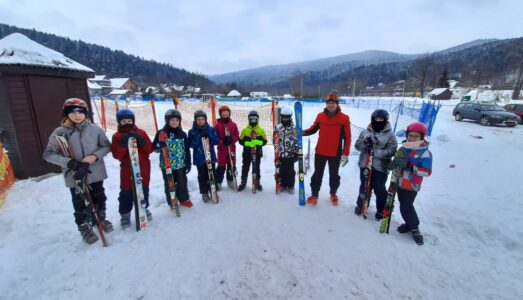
(385, 146)
(288, 141)
(195, 140)
(178, 145)
(223, 154)
(246, 136)
(335, 134)
(420, 163)
(121, 153)
(86, 139)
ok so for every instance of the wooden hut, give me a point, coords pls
(34, 83)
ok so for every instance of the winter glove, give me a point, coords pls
(139, 139)
(187, 168)
(344, 160)
(227, 140)
(369, 143)
(75, 165)
(80, 174)
(160, 145)
(398, 163)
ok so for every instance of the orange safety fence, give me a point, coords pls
(7, 175)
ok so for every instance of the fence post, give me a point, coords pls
(104, 124)
(154, 114)
(213, 111)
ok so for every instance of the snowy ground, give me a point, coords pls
(267, 247)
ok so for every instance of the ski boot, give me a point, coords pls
(149, 215)
(357, 211)
(290, 189)
(218, 186)
(378, 216)
(259, 187)
(403, 228)
(206, 198)
(106, 225)
(125, 220)
(279, 189)
(312, 200)
(87, 233)
(416, 235)
(187, 203)
(242, 186)
(230, 184)
(334, 199)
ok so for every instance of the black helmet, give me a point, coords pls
(173, 113)
(253, 113)
(200, 113)
(380, 113)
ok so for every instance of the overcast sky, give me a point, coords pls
(215, 37)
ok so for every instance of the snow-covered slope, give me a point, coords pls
(265, 246)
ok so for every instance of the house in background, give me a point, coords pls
(234, 93)
(124, 84)
(440, 94)
(34, 83)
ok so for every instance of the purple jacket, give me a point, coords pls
(223, 155)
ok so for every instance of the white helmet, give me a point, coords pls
(286, 111)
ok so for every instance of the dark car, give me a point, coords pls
(517, 109)
(486, 114)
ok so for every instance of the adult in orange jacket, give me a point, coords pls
(333, 146)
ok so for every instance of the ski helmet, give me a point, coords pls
(418, 127)
(172, 113)
(286, 111)
(124, 114)
(380, 113)
(200, 113)
(223, 108)
(332, 96)
(253, 113)
(74, 105)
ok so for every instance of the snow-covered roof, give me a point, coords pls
(93, 85)
(234, 93)
(99, 77)
(437, 91)
(119, 92)
(117, 83)
(17, 49)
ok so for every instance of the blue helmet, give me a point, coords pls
(124, 114)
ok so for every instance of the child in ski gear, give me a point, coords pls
(225, 122)
(202, 129)
(253, 129)
(379, 137)
(416, 164)
(288, 148)
(179, 154)
(120, 148)
(333, 146)
(89, 145)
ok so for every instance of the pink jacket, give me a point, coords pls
(223, 155)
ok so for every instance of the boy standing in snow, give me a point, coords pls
(287, 148)
(179, 154)
(377, 137)
(333, 147)
(416, 164)
(253, 129)
(89, 145)
(225, 122)
(202, 129)
(120, 149)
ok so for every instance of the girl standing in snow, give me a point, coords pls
(225, 122)
(120, 149)
(416, 164)
(288, 149)
(179, 154)
(89, 145)
(379, 137)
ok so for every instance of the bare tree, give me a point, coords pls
(423, 66)
(519, 82)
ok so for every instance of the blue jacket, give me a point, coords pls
(178, 145)
(195, 139)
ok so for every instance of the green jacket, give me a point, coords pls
(247, 143)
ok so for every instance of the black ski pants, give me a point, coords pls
(220, 172)
(246, 165)
(126, 200)
(408, 213)
(378, 180)
(82, 213)
(180, 180)
(319, 167)
(287, 172)
(203, 178)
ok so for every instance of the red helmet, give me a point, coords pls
(74, 105)
(417, 127)
(223, 108)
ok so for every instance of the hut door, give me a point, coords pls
(48, 95)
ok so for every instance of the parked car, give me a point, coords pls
(517, 109)
(486, 114)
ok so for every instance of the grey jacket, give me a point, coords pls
(385, 146)
(86, 140)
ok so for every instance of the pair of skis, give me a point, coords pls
(277, 162)
(140, 210)
(391, 194)
(365, 195)
(82, 189)
(212, 182)
(175, 205)
(298, 110)
(232, 171)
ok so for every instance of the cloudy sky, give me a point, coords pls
(215, 37)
